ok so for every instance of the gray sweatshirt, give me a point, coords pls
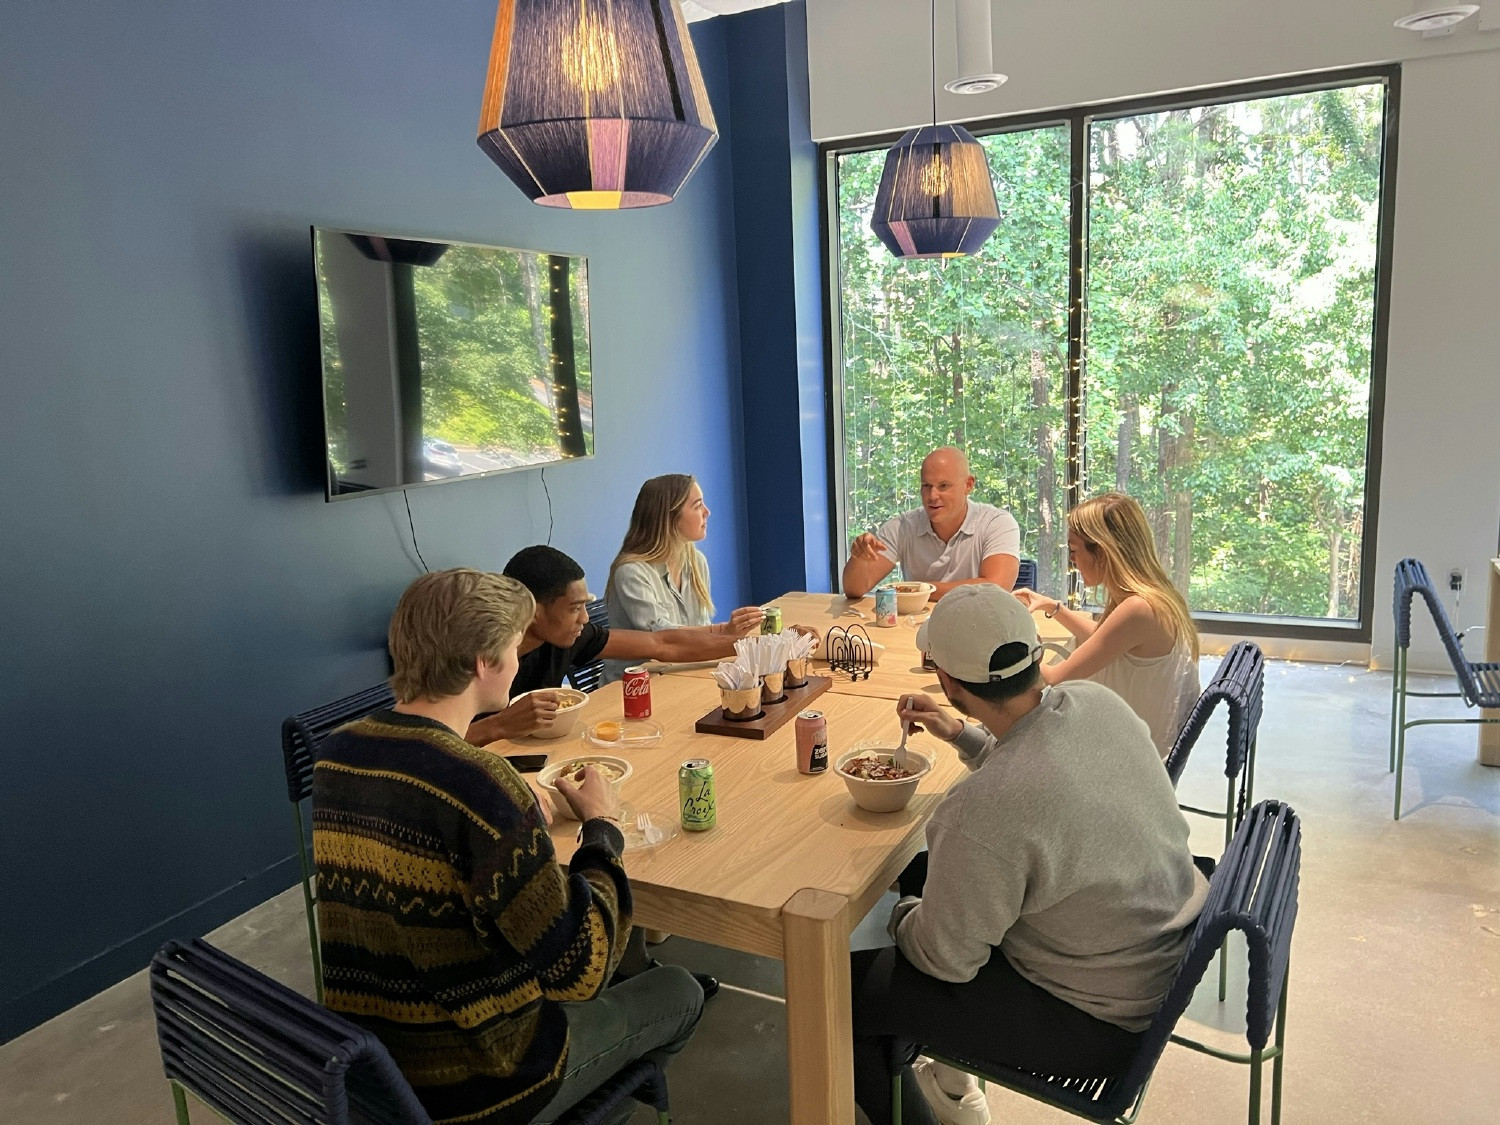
(1065, 849)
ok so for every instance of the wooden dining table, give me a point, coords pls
(788, 871)
(792, 865)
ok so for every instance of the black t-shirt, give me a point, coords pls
(546, 666)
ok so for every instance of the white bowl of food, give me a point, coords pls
(911, 597)
(615, 771)
(873, 781)
(570, 703)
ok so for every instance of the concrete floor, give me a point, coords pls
(1395, 981)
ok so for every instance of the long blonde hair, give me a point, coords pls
(1115, 528)
(653, 536)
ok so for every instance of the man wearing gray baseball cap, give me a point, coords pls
(1044, 925)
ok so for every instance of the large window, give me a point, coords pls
(1225, 367)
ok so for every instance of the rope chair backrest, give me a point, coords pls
(301, 733)
(590, 676)
(258, 1052)
(1240, 684)
(1026, 575)
(1412, 578)
(1253, 890)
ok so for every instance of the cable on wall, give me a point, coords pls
(413, 526)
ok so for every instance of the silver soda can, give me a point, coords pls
(695, 794)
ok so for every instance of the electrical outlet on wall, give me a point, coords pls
(1456, 580)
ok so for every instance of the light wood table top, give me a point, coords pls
(788, 872)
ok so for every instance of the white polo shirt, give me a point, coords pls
(924, 557)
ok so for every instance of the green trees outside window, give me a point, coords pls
(1230, 265)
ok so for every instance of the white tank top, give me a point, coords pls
(1160, 689)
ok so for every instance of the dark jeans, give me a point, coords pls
(650, 1016)
(998, 1017)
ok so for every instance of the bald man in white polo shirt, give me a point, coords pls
(950, 540)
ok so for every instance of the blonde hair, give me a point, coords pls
(447, 621)
(1115, 528)
(653, 536)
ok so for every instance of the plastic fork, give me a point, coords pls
(900, 755)
(649, 832)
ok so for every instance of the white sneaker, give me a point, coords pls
(967, 1108)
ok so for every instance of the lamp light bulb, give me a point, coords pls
(591, 56)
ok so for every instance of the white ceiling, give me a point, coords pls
(707, 9)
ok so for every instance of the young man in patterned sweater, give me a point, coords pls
(448, 927)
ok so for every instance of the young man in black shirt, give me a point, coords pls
(561, 638)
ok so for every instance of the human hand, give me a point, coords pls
(924, 713)
(1034, 601)
(543, 801)
(868, 548)
(592, 797)
(525, 715)
(745, 621)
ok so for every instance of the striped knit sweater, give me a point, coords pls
(448, 928)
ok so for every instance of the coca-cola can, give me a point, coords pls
(637, 685)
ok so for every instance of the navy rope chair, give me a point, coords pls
(300, 735)
(1253, 890)
(1240, 685)
(1026, 576)
(260, 1054)
(590, 676)
(1478, 684)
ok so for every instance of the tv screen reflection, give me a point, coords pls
(447, 360)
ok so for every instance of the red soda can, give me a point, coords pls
(637, 685)
(812, 742)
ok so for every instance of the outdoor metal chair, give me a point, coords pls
(1253, 890)
(300, 735)
(1026, 576)
(1240, 684)
(1478, 683)
(258, 1053)
(590, 676)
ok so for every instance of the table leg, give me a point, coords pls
(1489, 733)
(819, 1029)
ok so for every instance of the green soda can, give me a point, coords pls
(771, 623)
(695, 791)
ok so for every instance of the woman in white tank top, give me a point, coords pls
(1144, 646)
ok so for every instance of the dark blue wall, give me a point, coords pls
(779, 269)
(173, 582)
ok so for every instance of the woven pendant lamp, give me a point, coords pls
(936, 198)
(595, 104)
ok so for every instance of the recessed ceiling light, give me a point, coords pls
(1437, 19)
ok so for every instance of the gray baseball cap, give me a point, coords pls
(966, 627)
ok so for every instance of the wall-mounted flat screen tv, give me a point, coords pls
(445, 360)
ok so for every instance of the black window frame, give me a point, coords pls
(1079, 119)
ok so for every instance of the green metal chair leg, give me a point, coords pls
(1400, 734)
(1280, 1055)
(663, 1117)
(1395, 691)
(179, 1099)
(1250, 776)
(1255, 1062)
(1228, 837)
(896, 1098)
(307, 904)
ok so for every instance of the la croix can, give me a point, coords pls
(695, 793)
(636, 684)
(812, 742)
(771, 622)
(885, 606)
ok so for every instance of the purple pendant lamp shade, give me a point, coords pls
(595, 104)
(935, 199)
